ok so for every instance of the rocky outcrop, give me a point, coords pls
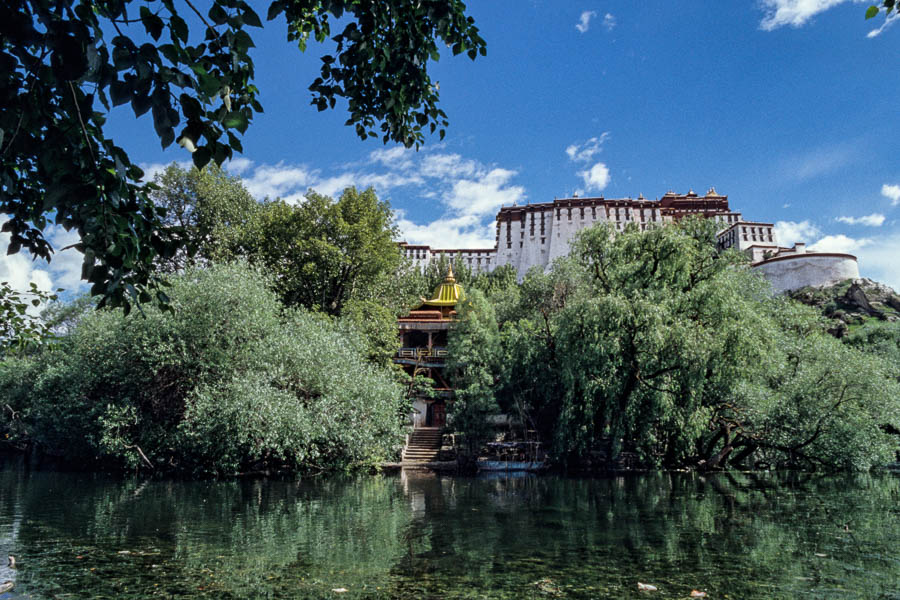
(852, 302)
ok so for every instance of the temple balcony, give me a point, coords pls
(424, 356)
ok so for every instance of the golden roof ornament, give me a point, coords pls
(447, 293)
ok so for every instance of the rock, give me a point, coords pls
(893, 301)
(856, 297)
(838, 328)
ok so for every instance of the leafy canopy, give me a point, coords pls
(656, 343)
(203, 208)
(229, 382)
(322, 252)
(20, 330)
(64, 65)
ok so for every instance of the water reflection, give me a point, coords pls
(420, 535)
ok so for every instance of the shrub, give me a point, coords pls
(228, 383)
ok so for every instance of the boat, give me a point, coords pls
(513, 456)
(511, 465)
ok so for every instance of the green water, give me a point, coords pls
(424, 536)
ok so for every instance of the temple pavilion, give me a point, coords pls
(423, 349)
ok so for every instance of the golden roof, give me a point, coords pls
(448, 293)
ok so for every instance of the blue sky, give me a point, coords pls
(786, 106)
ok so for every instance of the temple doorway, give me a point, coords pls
(435, 414)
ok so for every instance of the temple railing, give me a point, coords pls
(439, 352)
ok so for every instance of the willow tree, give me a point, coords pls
(473, 350)
(657, 337)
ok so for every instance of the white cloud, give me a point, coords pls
(789, 233)
(237, 166)
(877, 255)
(485, 195)
(586, 151)
(447, 166)
(397, 157)
(892, 192)
(840, 243)
(584, 22)
(151, 170)
(449, 232)
(469, 192)
(819, 161)
(596, 178)
(64, 270)
(873, 220)
(609, 21)
(795, 13)
(878, 260)
(279, 180)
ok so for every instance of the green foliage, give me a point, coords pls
(660, 332)
(227, 383)
(61, 316)
(473, 349)
(202, 208)
(20, 330)
(65, 64)
(322, 252)
(821, 403)
(656, 343)
(878, 338)
(377, 322)
(887, 5)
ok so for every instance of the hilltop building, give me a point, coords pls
(423, 349)
(534, 235)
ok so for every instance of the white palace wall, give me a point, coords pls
(795, 271)
(535, 235)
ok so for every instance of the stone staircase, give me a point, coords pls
(424, 445)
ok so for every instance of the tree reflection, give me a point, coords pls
(422, 535)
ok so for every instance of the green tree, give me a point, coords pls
(657, 343)
(202, 208)
(323, 252)
(229, 382)
(20, 330)
(64, 64)
(880, 338)
(814, 402)
(473, 350)
(61, 316)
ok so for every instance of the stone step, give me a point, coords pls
(409, 455)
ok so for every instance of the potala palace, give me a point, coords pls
(536, 234)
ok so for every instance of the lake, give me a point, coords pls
(420, 535)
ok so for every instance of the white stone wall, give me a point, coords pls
(522, 244)
(795, 271)
(747, 234)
